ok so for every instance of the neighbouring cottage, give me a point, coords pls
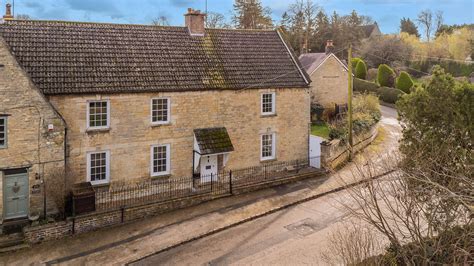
(370, 30)
(107, 103)
(329, 85)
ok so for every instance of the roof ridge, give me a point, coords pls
(85, 22)
(32, 21)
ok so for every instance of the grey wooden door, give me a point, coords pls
(15, 196)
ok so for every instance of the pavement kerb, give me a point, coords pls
(265, 213)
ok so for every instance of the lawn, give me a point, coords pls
(321, 130)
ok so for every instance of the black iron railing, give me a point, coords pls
(120, 195)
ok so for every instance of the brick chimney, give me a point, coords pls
(194, 20)
(329, 47)
(8, 13)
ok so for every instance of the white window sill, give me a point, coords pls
(99, 183)
(97, 129)
(162, 175)
(156, 124)
(268, 114)
(268, 159)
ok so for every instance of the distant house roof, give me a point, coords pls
(74, 57)
(213, 140)
(311, 61)
(370, 29)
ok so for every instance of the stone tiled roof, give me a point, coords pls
(213, 140)
(368, 29)
(311, 61)
(74, 57)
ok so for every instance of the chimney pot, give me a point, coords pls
(329, 46)
(194, 20)
(8, 12)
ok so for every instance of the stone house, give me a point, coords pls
(329, 78)
(107, 103)
(371, 30)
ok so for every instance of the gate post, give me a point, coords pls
(212, 180)
(230, 182)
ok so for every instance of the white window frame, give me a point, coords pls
(273, 156)
(88, 115)
(273, 103)
(168, 118)
(107, 168)
(5, 145)
(168, 160)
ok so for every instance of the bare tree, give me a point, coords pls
(384, 49)
(352, 243)
(216, 20)
(428, 224)
(302, 16)
(425, 20)
(160, 21)
(439, 19)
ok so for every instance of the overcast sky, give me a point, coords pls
(386, 12)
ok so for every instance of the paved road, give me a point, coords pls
(294, 236)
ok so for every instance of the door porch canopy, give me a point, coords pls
(210, 141)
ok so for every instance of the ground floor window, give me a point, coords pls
(160, 160)
(267, 146)
(98, 167)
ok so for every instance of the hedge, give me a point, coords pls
(361, 85)
(404, 82)
(355, 61)
(386, 94)
(361, 70)
(390, 95)
(457, 69)
(386, 76)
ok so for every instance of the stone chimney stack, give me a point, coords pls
(195, 20)
(329, 47)
(8, 13)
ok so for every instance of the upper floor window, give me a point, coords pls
(267, 146)
(160, 160)
(268, 103)
(98, 167)
(3, 132)
(98, 114)
(160, 111)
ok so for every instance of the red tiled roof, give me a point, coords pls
(74, 57)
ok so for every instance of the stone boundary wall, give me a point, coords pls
(334, 154)
(94, 221)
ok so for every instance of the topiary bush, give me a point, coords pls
(361, 85)
(404, 82)
(390, 95)
(385, 76)
(372, 74)
(361, 70)
(355, 61)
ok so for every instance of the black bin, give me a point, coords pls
(83, 198)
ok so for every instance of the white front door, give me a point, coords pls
(208, 168)
(315, 151)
